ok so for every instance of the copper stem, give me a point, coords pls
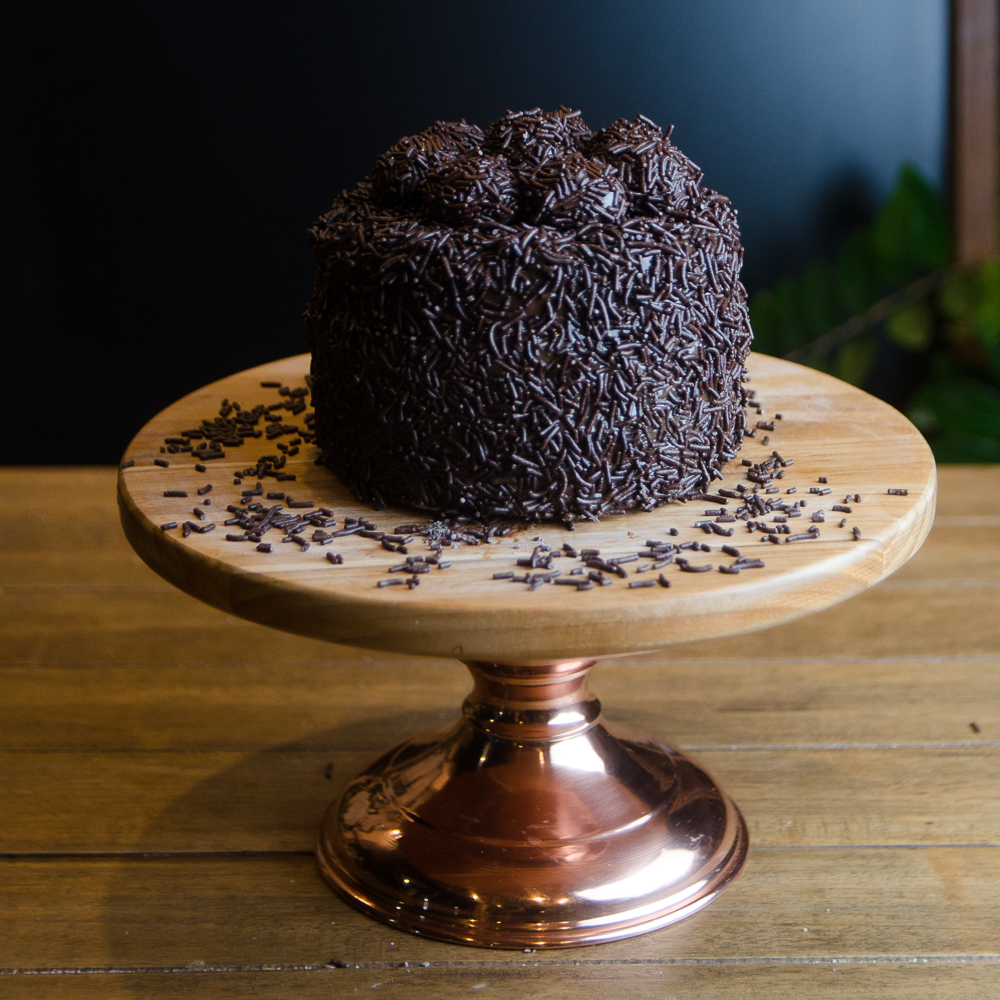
(536, 701)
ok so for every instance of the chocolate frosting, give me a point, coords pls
(534, 321)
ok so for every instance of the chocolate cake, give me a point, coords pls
(531, 321)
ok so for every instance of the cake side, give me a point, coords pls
(531, 322)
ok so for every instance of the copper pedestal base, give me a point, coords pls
(529, 825)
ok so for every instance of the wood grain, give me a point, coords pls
(274, 800)
(134, 718)
(253, 910)
(860, 979)
(160, 626)
(830, 428)
(802, 701)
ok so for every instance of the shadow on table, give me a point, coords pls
(224, 878)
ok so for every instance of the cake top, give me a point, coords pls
(540, 168)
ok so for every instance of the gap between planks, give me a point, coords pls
(899, 977)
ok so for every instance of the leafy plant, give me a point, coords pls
(891, 295)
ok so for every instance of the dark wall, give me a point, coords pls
(162, 160)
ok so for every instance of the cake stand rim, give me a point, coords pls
(358, 618)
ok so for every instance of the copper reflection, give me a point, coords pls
(529, 825)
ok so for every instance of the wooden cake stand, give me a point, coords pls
(529, 824)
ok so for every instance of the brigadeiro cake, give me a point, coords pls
(531, 321)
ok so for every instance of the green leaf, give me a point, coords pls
(856, 278)
(854, 360)
(776, 319)
(965, 448)
(911, 233)
(763, 322)
(913, 328)
(987, 312)
(910, 237)
(960, 406)
(960, 418)
(970, 300)
(959, 294)
(817, 300)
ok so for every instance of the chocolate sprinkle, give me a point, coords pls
(686, 567)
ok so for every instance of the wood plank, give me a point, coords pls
(273, 801)
(163, 626)
(49, 491)
(552, 979)
(954, 555)
(59, 571)
(464, 612)
(939, 620)
(362, 705)
(968, 490)
(312, 707)
(253, 910)
(243, 690)
(154, 625)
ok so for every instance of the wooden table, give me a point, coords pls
(530, 827)
(164, 767)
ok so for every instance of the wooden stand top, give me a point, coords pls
(860, 444)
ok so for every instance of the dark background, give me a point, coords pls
(161, 161)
